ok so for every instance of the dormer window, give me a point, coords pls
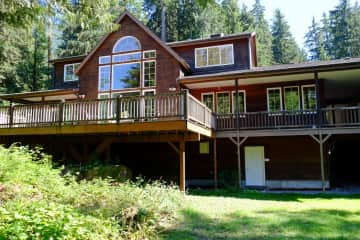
(126, 44)
(214, 56)
(69, 72)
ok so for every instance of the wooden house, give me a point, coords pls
(196, 112)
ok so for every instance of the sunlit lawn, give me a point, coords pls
(250, 215)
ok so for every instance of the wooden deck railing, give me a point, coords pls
(175, 106)
(327, 117)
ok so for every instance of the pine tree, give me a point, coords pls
(355, 31)
(231, 15)
(263, 35)
(314, 42)
(325, 29)
(284, 47)
(247, 19)
(211, 20)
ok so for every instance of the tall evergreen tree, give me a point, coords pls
(231, 15)
(247, 19)
(211, 20)
(314, 42)
(263, 34)
(325, 30)
(355, 30)
(284, 47)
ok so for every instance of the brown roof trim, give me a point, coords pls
(68, 59)
(45, 93)
(211, 40)
(308, 67)
(126, 13)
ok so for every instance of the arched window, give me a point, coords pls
(126, 44)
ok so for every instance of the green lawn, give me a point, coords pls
(251, 215)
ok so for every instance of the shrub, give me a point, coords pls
(36, 202)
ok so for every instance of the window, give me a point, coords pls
(309, 97)
(69, 72)
(223, 102)
(104, 59)
(214, 56)
(126, 76)
(242, 102)
(149, 73)
(292, 98)
(149, 54)
(104, 106)
(208, 100)
(126, 44)
(274, 99)
(104, 78)
(126, 57)
(204, 148)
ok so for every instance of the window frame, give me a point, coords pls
(124, 54)
(207, 55)
(233, 99)
(112, 89)
(77, 77)
(217, 102)
(102, 57)
(213, 97)
(122, 38)
(110, 77)
(267, 98)
(143, 73)
(298, 91)
(147, 51)
(303, 98)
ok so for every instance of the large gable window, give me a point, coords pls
(126, 76)
(69, 72)
(127, 44)
(214, 56)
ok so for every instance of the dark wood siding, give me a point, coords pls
(241, 56)
(59, 76)
(167, 68)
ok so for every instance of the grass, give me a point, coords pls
(250, 215)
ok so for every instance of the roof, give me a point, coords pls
(151, 34)
(66, 59)
(34, 96)
(211, 39)
(305, 67)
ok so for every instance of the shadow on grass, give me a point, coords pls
(256, 195)
(269, 224)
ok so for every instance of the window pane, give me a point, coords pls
(274, 100)
(309, 96)
(291, 99)
(208, 100)
(223, 103)
(104, 78)
(214, 56)
(204, 148)
(201, 57)
(69, 72)
(241, 102)
(126, 57)
(150, 54)
(127, 44)
(104, 60)
(149, 74)
(126, 76)
(226, 55)
(149, 104)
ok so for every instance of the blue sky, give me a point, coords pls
(298, 13)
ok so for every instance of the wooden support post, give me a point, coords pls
(118, 109)
(238, 144)
(182, 165)
(215, 164)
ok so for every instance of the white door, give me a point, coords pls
(254, 166)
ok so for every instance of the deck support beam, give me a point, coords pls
(215, 164)
(182, 165)
(321, 140)
(238, 143)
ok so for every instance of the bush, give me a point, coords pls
(36, 202)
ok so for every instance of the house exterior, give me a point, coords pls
(196, 112)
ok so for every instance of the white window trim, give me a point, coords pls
(73, 80)
(250, 54)
(129, 36)
(148, 90)
(112, 76)
(99, 81)
(102, 57)
(103, 94)
(217, 93)
(208, 93)
(147, 52)
(143, 73)
(267, 97)
(123, 54)
(302, 94)
(124, 92)
(207, 56)
(232, 102)
(287, 87)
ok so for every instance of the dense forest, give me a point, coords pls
(32, 32)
